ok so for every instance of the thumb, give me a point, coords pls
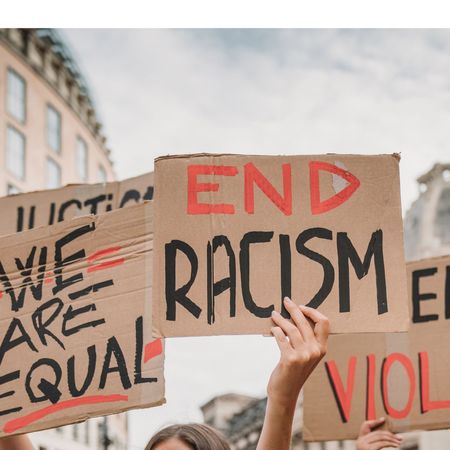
(369, 425)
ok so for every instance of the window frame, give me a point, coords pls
(15, 73)
(80, 140)
(49, 107)
(24, 159)
(49, 160)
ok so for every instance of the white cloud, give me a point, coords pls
(272, 91)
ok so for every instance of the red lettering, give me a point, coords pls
(319, 207)
(254, 176)
(424, 375)
(407, 364)
(342, 396)
(370, 400)
(194, 188)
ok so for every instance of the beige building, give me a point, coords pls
(50, 135)
(49, 130)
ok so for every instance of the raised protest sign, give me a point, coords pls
(75, 339)
(404, 377)
(25, 211)
(235, 234)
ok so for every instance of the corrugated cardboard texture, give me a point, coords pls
(280, 223)
(76, 324)
(25, 211)
(421, 352)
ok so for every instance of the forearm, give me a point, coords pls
(16, 443)
(277, 427)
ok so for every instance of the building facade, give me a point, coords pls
(49, 131)
(50, 135)
(427, 234)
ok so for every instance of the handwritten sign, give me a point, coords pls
(75, 340)
(235, 234)
(40, 208)
(402, 376)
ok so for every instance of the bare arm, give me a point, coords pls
(302, 342)
(16, 443)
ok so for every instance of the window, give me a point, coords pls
(53, 129)
(102, 177)
(15, 152)
(81, 155)
(53, 174)
(11, 189)
(16, 95)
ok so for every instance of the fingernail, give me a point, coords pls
(275, 313)
(287, 300)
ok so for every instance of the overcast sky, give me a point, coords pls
(261, 91)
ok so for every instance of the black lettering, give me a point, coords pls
(65, 206)
(285, 271)
(87, 290)
(447, 292)
(72, 313)
(346, 253)
(93, 203)
(71, 370)
(113, 348)
(131, 195)
(41, 326)
(148, 194)
(61, 283)
(6, 379)
(48, 389)
(51, 218)
(176, 295)
(327, 267)
(253, 237)
(9, 342)
(17, 293)
(214, 289)
(138, 378)
(417, 296)
(21, 218)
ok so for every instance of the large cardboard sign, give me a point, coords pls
(75, 339)
(26, 211)
(235, 234)
(402, 376)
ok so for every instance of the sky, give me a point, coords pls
(261, 92)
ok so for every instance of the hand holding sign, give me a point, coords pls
(302, 343)
(301, 347)
(372, 439)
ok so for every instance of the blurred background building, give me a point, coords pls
(50, 135)
(427, 234)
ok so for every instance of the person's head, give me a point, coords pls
(191, 436)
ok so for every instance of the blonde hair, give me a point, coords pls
(196, 435)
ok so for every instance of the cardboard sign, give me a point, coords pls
(75, 339)
(404, 377)
(235, 234)
(26, 211)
